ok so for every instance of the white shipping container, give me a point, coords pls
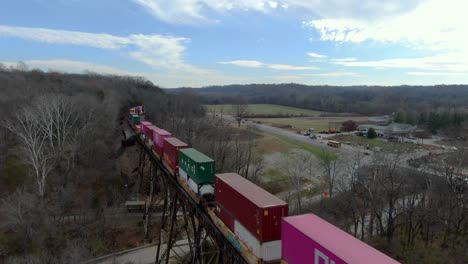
(182, 174)
(267, 251)
(204, 189)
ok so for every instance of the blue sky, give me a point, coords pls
(206, 42)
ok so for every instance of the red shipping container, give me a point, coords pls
(171, 151)
(150, 133)
(259, 211)
(145, 124)
(310, 239)
(158, 140)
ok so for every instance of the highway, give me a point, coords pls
(346, 153)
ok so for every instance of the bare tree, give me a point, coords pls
(19, 211)
(35, 150)
(239, 109)
(297, 165)
(329, 164)
(49, 130)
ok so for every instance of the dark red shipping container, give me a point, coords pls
(257, 210)
(171, 151)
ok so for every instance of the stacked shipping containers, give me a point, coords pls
(171, 151)
(252, 213)
(310, 239)
(158, 140)
(149, 135)
(197, 170)
(145, 124)
(136, 119)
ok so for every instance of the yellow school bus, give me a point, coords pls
(333, 143)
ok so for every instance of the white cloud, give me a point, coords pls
(193, 11)
(163, 52)
(96, 40)
(435, 24)
(437, 27)
(438, 73)
(333, 74)
(450, 62)
(258, 64)
(245, 63)
(343, 59)
(315, 55)
(168, 80)
(285, 67)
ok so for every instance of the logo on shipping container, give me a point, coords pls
(319, 255)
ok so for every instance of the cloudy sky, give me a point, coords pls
(203, 42)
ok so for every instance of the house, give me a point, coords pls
(394, 129)
(381, 120)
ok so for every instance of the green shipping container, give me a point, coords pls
(136, 119)
(197, 165)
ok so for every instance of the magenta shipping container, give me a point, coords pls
(171, 151)
(150, 133)
(158, 140)
(239, 200)
(310, 239)
(145, 124)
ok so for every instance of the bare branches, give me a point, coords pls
(48, 130)
(239, 109)
(34, 147)
(329, 163)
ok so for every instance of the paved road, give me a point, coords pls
(347, 153)
(322, 143)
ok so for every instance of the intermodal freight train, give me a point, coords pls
(253, 220)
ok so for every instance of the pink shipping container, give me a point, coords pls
(310, 239)
(145, 124)
(140, 109)
(257, 210)
(150, 134)
(171, 151)
(158, 140)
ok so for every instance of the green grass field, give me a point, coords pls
(303, 123)
(265, 109)
(274, 143)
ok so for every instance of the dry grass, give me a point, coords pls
(266, 109)
(304, 123)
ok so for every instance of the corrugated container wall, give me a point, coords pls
(171, 151)
(135, 119)
(310, 239)
(158, 140)
(145, 124)
(196, 165)
(257, 210)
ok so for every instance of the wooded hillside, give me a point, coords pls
(366, 100)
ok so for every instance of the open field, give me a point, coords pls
(265, 109)
(304, 123)
(268, 144)
(372, 143)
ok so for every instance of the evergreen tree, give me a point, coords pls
(371, 133)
